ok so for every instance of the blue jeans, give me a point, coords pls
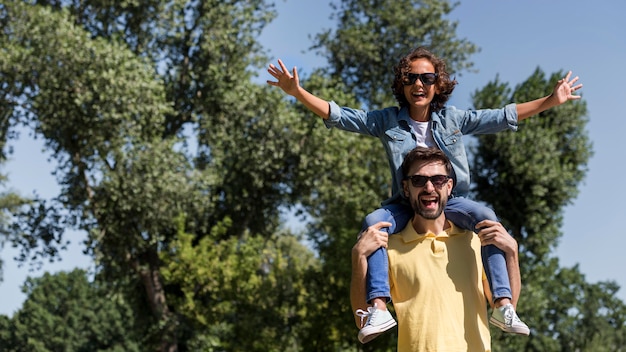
(462, 212)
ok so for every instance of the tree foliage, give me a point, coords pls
(66, 312)
(10, 202)
(529, 176)
(267, 275)
(372, 35)
(179, 168)
(113, 88)
(543, 177)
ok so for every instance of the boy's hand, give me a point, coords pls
(564, 89)
(286, 81)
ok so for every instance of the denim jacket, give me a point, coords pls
(391, 125)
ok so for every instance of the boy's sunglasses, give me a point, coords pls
(420, 181)
(427, 78)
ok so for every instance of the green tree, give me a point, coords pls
(267, 275)
(372, 35)
(119, 91)
(10, 202)
(66, 312)
(178, 166)
(529, 177)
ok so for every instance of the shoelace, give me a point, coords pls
(363, 314)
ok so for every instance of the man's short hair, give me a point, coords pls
(421, 155)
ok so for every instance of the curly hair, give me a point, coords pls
(444, 84)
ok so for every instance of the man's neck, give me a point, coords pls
(424, 226)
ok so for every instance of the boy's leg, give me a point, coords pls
(377, 279)
(466, 214)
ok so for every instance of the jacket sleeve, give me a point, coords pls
(487, 121)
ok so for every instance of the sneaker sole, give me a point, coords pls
(368, 335)
(512, 330)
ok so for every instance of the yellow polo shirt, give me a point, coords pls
(437, 291)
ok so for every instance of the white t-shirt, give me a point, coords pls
(423, 134)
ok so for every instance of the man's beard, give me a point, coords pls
(427, 213)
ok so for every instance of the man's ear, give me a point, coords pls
(450, 186)
(405, 188)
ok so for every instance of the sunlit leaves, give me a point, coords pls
(529, 176)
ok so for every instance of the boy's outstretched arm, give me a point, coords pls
(290, 83)
(563, 91)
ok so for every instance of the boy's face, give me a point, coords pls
(419, 95)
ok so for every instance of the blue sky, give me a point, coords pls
(515, 38)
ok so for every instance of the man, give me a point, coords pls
(438, 285)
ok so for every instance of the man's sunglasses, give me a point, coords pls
(427, 78)
(420, 181)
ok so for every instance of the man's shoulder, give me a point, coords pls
(458, 234)
(455, 230)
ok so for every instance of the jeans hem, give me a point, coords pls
(502, 294)
(385, 295)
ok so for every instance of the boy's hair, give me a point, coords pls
(443, 83)
(425, 155)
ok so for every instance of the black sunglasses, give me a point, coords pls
(420, 181)
(427, 78)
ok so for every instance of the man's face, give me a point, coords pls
(430, 199)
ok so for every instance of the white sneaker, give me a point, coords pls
(507, 320)
(378, 321)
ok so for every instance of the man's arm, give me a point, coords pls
(492, 232)
(515, 278)
(369, 241)
(487, 290)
